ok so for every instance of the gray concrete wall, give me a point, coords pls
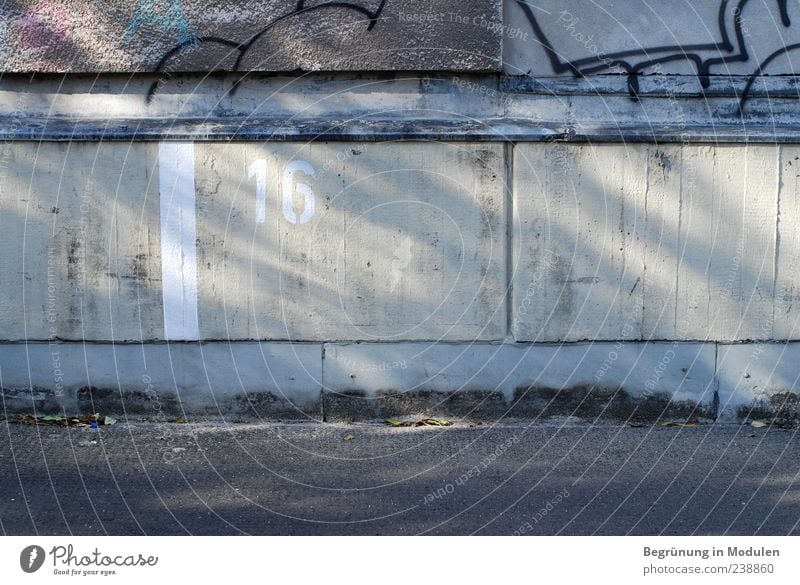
(590, 234)
(400, 242)
(289, 279)
(310, 242)
(642, 242)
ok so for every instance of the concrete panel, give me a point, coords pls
(579, 211)
(603, 379)
(256, 35)
(160, 381)
(351, 241)
(646, 242)
(661, 236)
(79, 244)
(759, 381)
(787, 242)
(321, 242)
(728, 225)
(716, 37)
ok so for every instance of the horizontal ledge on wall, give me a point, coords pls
(678, 86)
(748, 130)
(723, 341)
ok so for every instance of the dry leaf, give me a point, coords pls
(433, 422)
(425, 422)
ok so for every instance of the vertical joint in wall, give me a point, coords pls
(322, 384)
(508, 153)
(715, 384)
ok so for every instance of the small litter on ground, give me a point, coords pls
(84, 421)
(425, 422)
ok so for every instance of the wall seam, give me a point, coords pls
(776, 296)
(715, 382)
(510, 215)
(322, 382)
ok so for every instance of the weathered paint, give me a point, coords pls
(178, 241)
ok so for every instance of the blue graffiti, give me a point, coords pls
(169, 18)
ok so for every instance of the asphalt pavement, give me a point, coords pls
(369, 479)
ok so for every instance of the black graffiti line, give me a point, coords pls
(560, 66)
(244, 47)
(605, 62)
(763, 65)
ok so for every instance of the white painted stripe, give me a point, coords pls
(259, 170)
(178, 241)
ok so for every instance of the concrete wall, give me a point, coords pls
(309, 242)
(279, 258)
(605, 230)
(668, 242)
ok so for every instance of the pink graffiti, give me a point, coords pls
(44, 26)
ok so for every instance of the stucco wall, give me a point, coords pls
(250, 35)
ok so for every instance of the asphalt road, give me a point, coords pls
(212, 479)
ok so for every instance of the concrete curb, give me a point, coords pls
(366, 381)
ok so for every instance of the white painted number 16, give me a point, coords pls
(258, 170)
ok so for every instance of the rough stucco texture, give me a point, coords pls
(249, 35)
